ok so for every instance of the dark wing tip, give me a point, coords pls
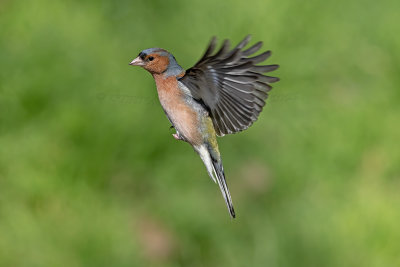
(254, 48)
(264, 68)
(244, 42)
(232, 212)
(210, 48)
(261, 57)
(224, 48)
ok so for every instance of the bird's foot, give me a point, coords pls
(177, 136)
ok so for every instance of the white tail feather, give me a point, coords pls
(206, 158)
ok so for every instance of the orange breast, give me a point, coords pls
(184, 118)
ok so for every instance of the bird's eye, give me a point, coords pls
(151, 58)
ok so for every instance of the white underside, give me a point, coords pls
(206, 158)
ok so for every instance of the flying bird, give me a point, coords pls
(223, 93)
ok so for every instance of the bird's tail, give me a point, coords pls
(216, 172)
(219, 171)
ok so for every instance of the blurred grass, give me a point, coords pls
(90, 175)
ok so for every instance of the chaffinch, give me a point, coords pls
(223, 93)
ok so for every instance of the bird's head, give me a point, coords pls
(157, 61)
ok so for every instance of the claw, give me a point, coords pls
(177, 136)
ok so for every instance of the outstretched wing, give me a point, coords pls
(231, 85)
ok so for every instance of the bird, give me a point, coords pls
(223, 93)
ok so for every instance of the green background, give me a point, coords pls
(91, 176)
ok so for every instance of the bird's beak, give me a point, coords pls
(137, 62)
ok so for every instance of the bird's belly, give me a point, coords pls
(184, 118)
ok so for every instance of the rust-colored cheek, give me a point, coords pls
(158, 65)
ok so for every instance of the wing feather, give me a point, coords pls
(230, 84)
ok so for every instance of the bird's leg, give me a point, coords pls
(177, 136)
